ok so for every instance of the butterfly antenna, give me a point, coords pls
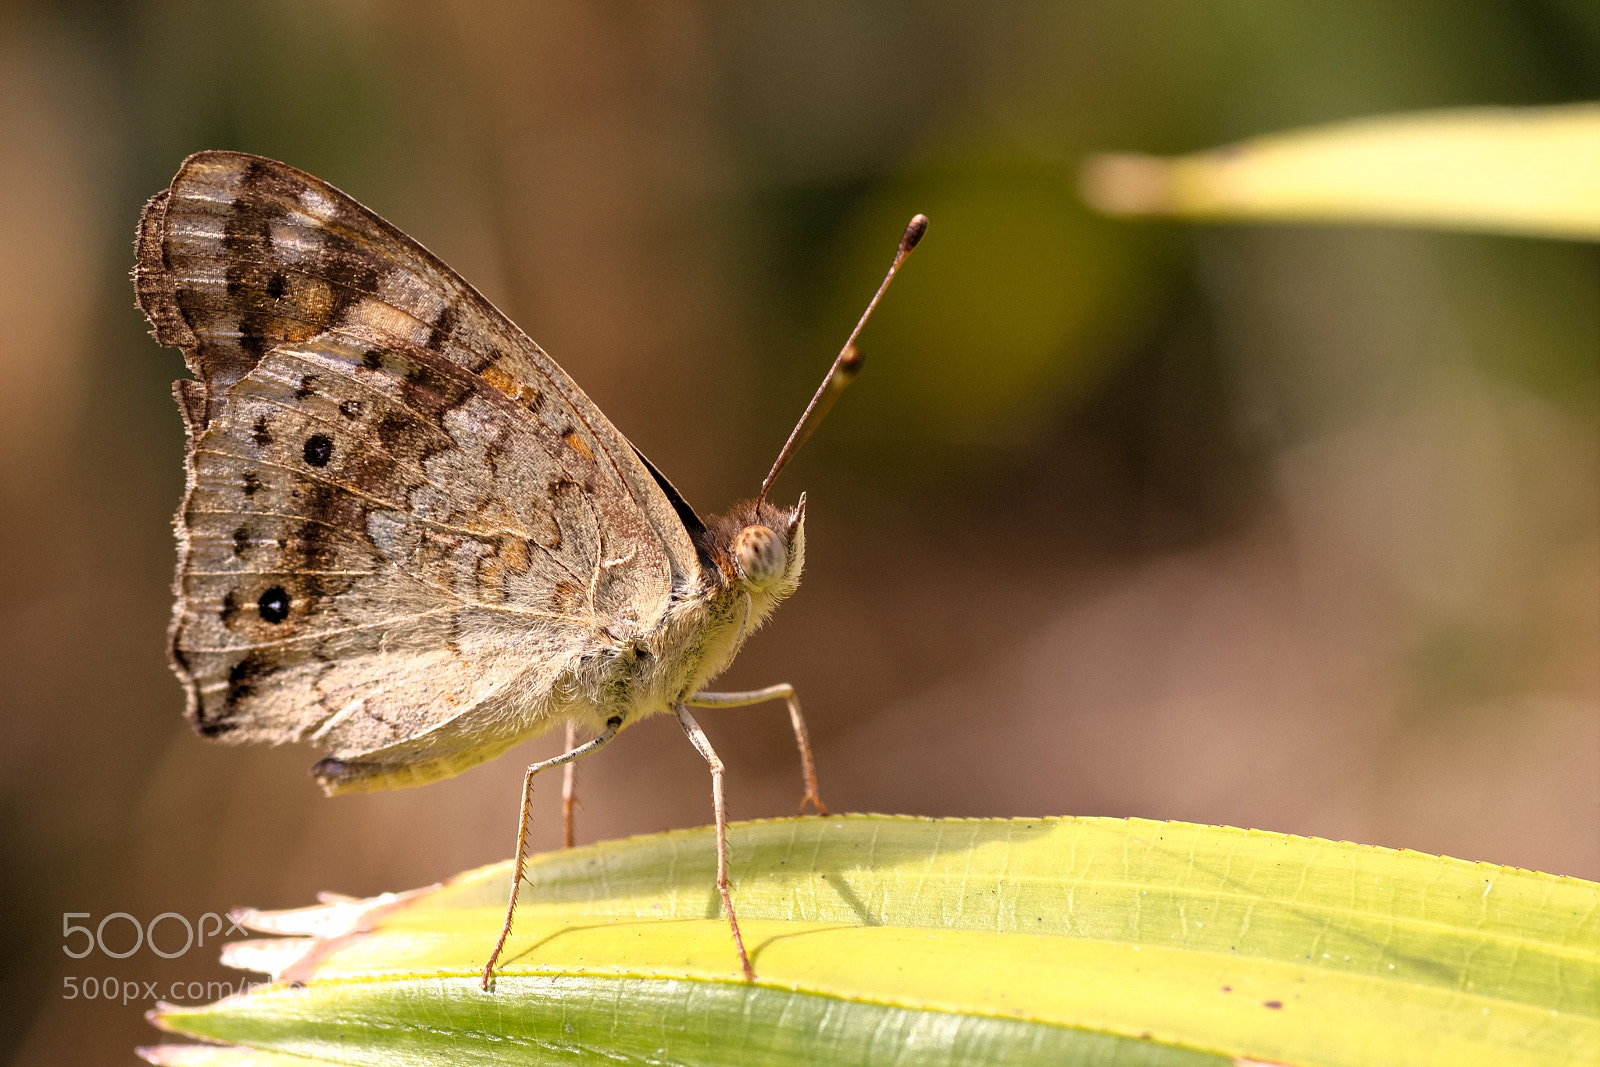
(845, 366)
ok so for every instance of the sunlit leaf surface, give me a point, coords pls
(1514, 170)
(879, 939)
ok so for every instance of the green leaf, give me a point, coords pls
(914, 941)
(1513, 170)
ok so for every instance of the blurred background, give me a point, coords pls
(1294, 528)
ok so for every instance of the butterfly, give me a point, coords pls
(407, 536)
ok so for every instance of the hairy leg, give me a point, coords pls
(612, 726)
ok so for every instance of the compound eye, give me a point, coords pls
(761, 555)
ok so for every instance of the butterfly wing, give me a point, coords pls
(404, 522)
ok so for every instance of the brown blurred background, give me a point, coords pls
(1292, 528)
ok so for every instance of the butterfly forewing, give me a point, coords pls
(244, 253)
(404, 520)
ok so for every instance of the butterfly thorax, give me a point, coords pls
(751, 560)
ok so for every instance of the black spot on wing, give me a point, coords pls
(214, 727)
(241, 685)
(443, 327)
(393, 430)
(274, 604)
(318, 449)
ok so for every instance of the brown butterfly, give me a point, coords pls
(408, 537)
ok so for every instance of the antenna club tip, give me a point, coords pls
(850, 360)
(914, 232)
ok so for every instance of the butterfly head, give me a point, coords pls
(766, 550)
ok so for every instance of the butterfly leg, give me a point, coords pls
(569, 788)
(785, 693)
(613, 724)
(697, 738)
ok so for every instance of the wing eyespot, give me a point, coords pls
(318, 449)
(273, 605)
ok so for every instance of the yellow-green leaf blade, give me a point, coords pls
(1192, 939)
(221, 1056)
(1515, 170)
(572, 1019)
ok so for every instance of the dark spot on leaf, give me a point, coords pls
(274, 604)
(319, 449)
